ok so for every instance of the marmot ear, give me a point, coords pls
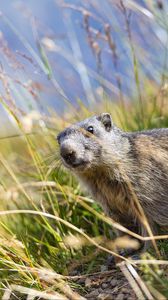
(106, 120)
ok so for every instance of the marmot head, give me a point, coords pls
(82, 144)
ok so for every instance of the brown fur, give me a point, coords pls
(127, 172)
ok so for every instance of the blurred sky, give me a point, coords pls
(49, 55)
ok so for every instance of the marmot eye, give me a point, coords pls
(90, 129)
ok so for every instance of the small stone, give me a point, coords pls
(120, 297)
(114, 282)
(93, 294)
(88, 282)
(109, 279)
(104, 285)
(108, 291)
(100, 290)
(103, 268)
(125, 290)
(74, 273)
(104, 296)
(81, 280)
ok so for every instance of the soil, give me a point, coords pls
(106, 285)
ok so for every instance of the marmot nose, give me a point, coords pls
(68, 153)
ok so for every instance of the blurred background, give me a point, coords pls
(55, 54)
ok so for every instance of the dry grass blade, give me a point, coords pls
(49, 275)
(52, 237)
(32, 293)
(66, 289)
(137, 7)
(58, 219)
(82, 200)
(106, 83)
(135, 281)
(116, 225)
(140, 282)
(77, 56)
(141, 214)
(131, 281)
(151, 262)
(39, 61)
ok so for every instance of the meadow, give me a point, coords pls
(51, 230)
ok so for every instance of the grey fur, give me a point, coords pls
(110, 161)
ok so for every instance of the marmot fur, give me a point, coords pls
(126, 172)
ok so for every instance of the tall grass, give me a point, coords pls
(50, 230)
(50, 212)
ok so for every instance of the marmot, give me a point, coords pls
(118, 167)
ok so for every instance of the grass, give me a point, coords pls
(50, 213)
(49, 227)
